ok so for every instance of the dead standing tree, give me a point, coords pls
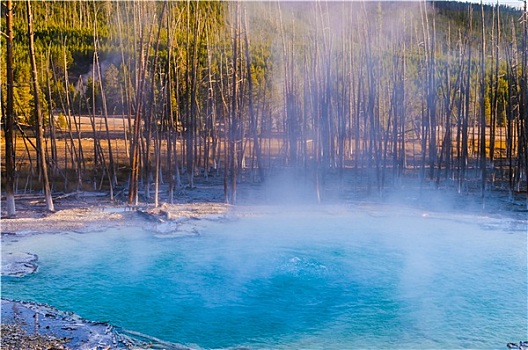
(152, 115)
(38, 111)
(429, 115)
(233, 122)
(289, 93)
(463, 158)
(252, 114)
(191, 87)
(524, 96)
(450, 93)
(482, 141)
(371, 112)
(494, 86)
(140, 81)
(111, 170)
(170, 112)
(71, 116)
(9, 118)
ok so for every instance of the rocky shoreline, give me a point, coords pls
(30, 326)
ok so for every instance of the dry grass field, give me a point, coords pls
(67, 147)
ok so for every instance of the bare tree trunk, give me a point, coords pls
(431, 97)
(111, 173)
(449, 99)
(38, 112)
(512, 115)
(72, 152)
(465, 116)
(252, 116)
(482, 142)
(135, 161)
(494, 90)
(79, 154)
(357, 126)
(152, 121)
(170, 120)
(403, 113)
(233, 127)
(524, 90)
(190, 96)
(51, 118)
(373, 152)
(209, 133)
(157, 170)
(9, 120)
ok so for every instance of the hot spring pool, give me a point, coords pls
(303, 279)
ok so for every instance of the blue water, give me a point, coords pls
(331, 279)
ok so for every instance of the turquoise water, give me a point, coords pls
(314, 280)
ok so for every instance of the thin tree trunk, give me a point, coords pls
(10, 116)
(38, 112)
(431, 103)
(152, 121)
(135, 161)
(112, 177)
(125, 100)
(524, 101)
(465, 116)
(190, 96)
(482, 142)
(494, 90)
(73, 153)
(79, 154)
(169, 114)
(51, 118)
(233, 129)
(252, 116)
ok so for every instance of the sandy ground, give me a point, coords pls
(31, 326)
(98, 217)
(84, 211)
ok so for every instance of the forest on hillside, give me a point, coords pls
(123, 96)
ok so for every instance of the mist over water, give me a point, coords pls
(336, 277)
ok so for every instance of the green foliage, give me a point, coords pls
(61, 122)
(65, 32)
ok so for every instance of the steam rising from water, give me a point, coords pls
(333, 278)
